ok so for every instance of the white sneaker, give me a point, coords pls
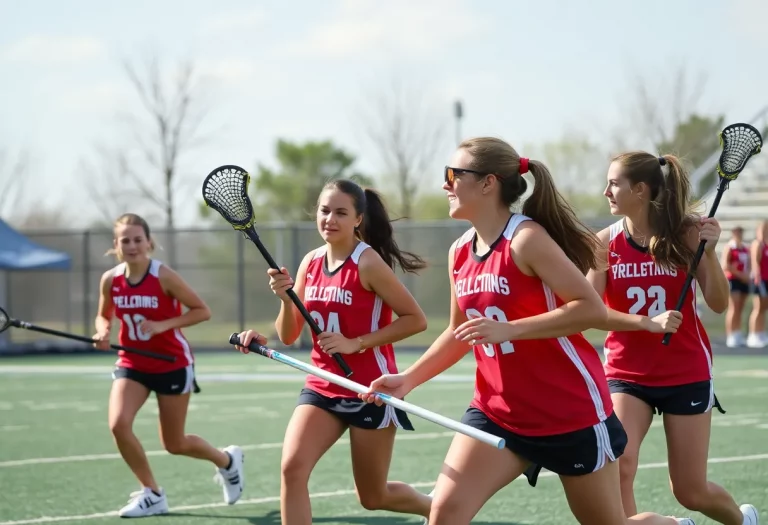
(232, 479)
(145, 503)
(756, 341)
(750, 514)
(685, 521)
(735, 340)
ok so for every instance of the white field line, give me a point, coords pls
(260, 446)
(331, 494)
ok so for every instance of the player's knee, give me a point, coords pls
(372, 499)
(294, 469)
(689, 496)
(628, 463)
(120, 426)
(175, 445)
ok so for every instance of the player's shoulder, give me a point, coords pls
(109, 275)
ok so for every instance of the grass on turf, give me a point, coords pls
(58, 462)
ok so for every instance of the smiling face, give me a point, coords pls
(463, 188)
(623, 198)
(336, 216)
(131, 243)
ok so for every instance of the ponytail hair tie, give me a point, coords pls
(662, 161)
(523, 165)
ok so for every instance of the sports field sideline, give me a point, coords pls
(58, 463)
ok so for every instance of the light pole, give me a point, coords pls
(458, 113)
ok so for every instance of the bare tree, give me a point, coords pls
(658, 103)
(407, 133)
(147, 167)
(14, 178)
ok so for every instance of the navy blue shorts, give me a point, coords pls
(355, 412)
(571, 454)
(739, 286)
(680, 400)
(174, 383)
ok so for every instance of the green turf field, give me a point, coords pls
(58, 462)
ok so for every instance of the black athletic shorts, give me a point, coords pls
(739, 286)
(172, 383)
(680, 400)
(355, 412)
(760, 289)
(571, 454)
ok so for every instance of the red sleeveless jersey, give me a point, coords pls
(534, 387)
(147, 300)
(738, 255)
(636, 285)
(338, 302)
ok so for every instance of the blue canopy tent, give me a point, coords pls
(18, 252)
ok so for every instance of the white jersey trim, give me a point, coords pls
(573, 355)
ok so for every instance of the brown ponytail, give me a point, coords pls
(671, 213)
(545, 205)
(376, 227)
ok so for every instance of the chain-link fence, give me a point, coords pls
(227, 271)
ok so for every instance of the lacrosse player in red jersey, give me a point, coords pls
(350, 289)
(146, 297)
(519, 300)
(648, 254)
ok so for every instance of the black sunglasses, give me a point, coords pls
(452, 173)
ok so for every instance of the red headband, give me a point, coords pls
(523, 165)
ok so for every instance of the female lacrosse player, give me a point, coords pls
(349, 287)
(735, 263)
(648, 253)
(757, 337)
(520, 303)
(146, 296)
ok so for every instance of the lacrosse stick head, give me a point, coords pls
(739, 143)
(225, 190)
(5, 321)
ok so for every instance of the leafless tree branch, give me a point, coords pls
(407, 133)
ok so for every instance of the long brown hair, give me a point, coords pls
(545, 205)
(671, 213)
(376, 227)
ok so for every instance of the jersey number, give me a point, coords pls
(333, 322)
(496, 314)
(134, 327)
(641, 296)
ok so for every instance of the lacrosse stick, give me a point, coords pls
(739, 142)
(225, 190)
(423, 413)
(8, 322)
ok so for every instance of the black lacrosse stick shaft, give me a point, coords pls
(29, 326)
(721, 187)
(254, 237)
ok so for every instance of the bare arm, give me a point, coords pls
(378, 277)
(614, 320)
(103, 321)
(755, 254)
(446, 351)
(175, 286)
(537, 253)
(290, 322)
(710, 275)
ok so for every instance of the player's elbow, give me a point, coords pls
(594, 313)
(204, 313)
(718, 304)
(418, 322)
